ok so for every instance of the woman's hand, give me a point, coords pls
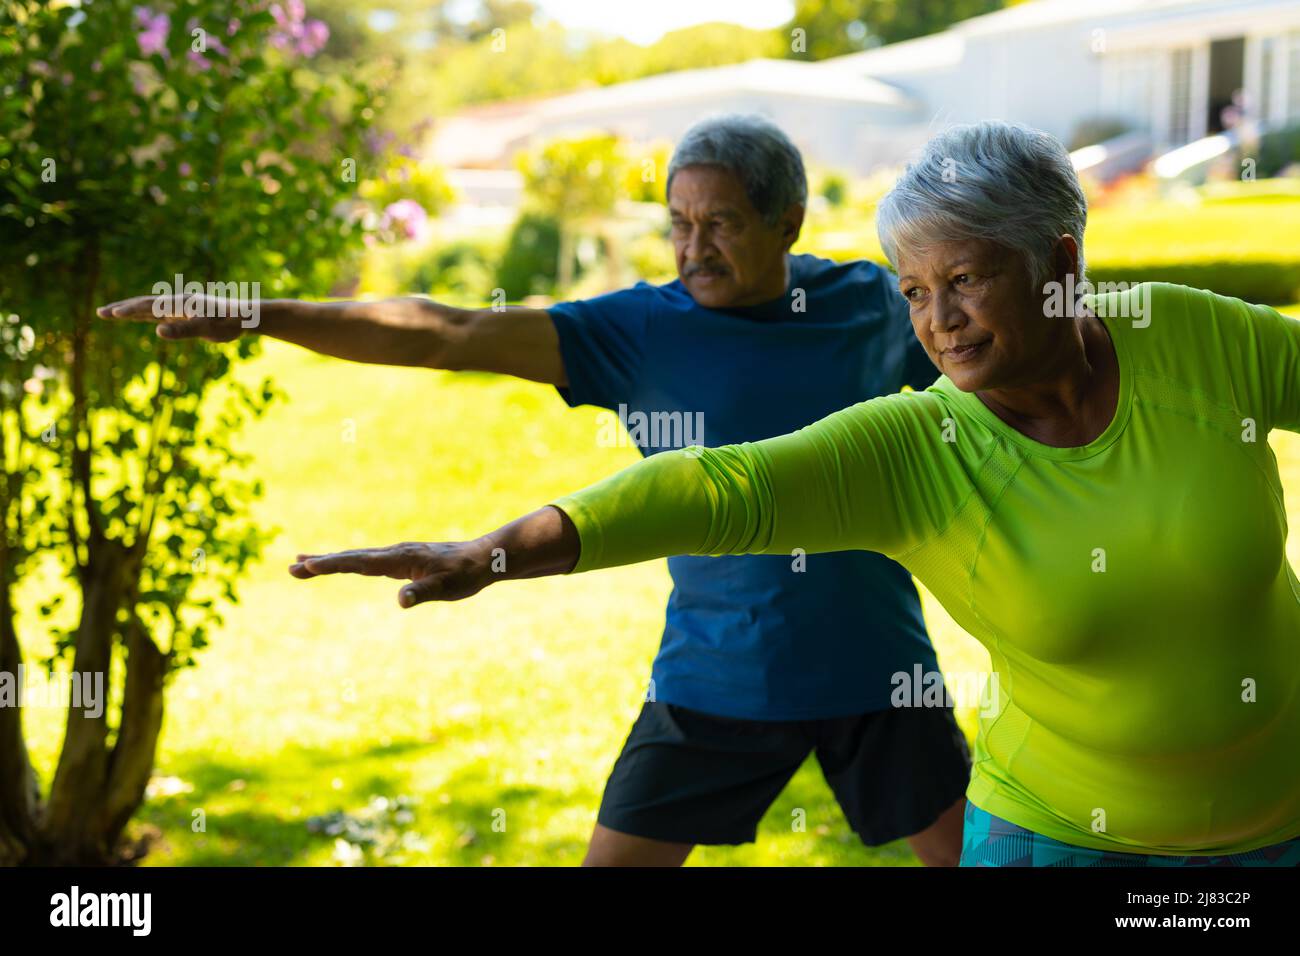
(536, 545)
(438, 572)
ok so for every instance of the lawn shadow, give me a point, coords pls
(232, 816)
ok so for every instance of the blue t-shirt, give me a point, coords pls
(762, 637)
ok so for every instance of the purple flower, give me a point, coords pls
(154, 28)
(232, 27)
(184, 169)
(304, 37)
(407, 217)
(318, 35)
(210, 44)
(377, 141)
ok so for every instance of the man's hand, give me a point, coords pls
(438, 572)
(212, 318)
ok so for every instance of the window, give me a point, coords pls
(1293, 73)
(1180, 96)
(1267, 51)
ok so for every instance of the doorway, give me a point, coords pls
(1227, 77)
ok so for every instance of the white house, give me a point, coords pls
(1168, 68)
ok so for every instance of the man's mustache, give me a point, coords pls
(690, 270)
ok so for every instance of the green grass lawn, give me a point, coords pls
(498, 717)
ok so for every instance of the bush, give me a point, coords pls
(1230, 247)
(1276, 151)
(456, 270)
(528, 266)
(834, 189)
(1266, 283)
(140, 143)
(651, 258)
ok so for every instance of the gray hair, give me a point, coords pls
(754, 150)
(998, 181)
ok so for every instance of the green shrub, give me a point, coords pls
(1276, 151)
(528, 266)
(1267, 283)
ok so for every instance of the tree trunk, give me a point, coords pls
(564, 268)
(131, 763)
(18, 787)
(69, 830)
(96, 790)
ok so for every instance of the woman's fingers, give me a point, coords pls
(396, 561)
(438, 572)
(417, 592)
(371, 561)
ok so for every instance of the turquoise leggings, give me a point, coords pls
(991, 841)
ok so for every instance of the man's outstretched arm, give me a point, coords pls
(409, 331)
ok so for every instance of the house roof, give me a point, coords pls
(946, 48)
(480, 135)
(785, 77)
(1190, 23)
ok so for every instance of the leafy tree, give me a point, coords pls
(646, 176)
(575, 180)
(187, 138)
(836, 27)
(538, 60)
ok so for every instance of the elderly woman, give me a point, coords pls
(1087, 488)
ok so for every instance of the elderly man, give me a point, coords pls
(764, 659)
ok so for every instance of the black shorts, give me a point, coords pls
(688, 777)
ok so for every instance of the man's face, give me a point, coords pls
(727, 256)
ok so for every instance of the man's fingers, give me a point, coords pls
(191, 328)
(139, 307)
(172, 324)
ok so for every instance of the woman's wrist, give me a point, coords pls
(539, 544)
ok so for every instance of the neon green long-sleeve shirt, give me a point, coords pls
(1133, 593)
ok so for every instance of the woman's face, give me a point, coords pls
(978, 315)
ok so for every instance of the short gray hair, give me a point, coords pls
(998, 181)
(754, 150)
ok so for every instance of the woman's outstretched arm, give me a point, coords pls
(854, 480)
(538, 544)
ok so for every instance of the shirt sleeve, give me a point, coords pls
(1262, 349)
(854, 480)
(1279, 351)
(602, 342)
